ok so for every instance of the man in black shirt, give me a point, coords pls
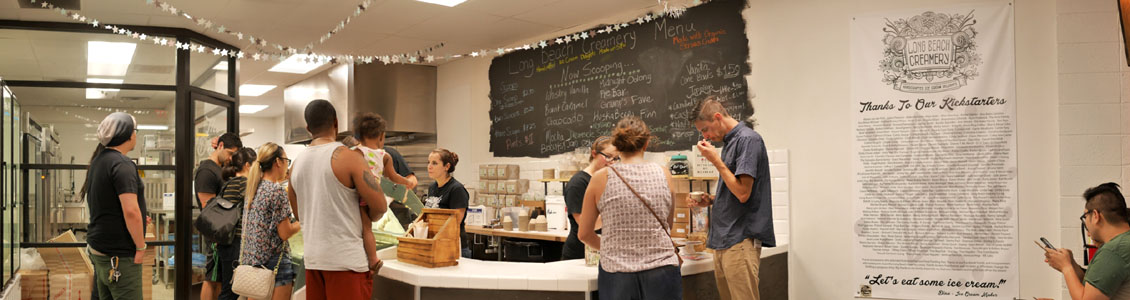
(401, 167)
(208, 183)
(116, 203)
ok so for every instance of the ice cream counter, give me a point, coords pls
(571, 279)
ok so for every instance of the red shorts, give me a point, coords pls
(324, 285)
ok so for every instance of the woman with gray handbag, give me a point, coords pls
(265, 270)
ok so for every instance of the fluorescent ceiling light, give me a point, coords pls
(254, 90)
(101, 93)
(152, 127)
(295, 64)
(108, 59)
(251, 108)
(448, 3)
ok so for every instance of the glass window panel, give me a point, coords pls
(75, 56)
(210, 121)
(70, 122)
(9, 171)
(209, 71)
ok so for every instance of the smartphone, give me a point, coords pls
(1046, 243)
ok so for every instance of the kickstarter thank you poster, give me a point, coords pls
(934, 143)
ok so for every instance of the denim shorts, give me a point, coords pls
(285, 274)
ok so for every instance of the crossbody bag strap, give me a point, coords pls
(652, 211)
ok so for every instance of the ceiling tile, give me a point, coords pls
(503, 8)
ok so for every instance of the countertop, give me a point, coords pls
(569, 275)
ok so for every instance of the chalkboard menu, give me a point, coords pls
(554, 99)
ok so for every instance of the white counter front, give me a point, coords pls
(570, 275)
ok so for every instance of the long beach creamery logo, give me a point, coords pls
(929, 53)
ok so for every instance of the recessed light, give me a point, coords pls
(448, 3)
(296, 64)
(101, 93)
(108, 59)
(251, 108)
(152, 127)
(254, 90)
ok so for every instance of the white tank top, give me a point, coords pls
(330, 216)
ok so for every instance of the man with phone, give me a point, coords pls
(1108, 277)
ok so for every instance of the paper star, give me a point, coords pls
(385, 59)
(526, 47)
(624, 25)
(412, 59)
(143, 37)
(224, 52)
(607, 28)
(135, 35)
(221, 29)
(149, 2)
(647, 17)
(239, 35)
(542, 44)
(156, 41)
(500, 52)
(208, 24)
(568, 39)
(215, 51)
(396, 59)
(74, 17)
(576, 37)
(474, 54)
(44, 4)
(430, 58)
(94, 23)
(200, 49)
(585, 35)
(164, 42)
(164, 6)
(239, 55)
(255, 56)
(63, 11)
(82, 19)
(558, 41)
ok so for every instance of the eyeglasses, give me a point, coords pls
(609, 157)
(1088, 244)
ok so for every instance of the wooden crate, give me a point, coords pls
(440, 249)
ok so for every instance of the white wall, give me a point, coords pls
(266, 129)
(1094, 108)
(799, 54)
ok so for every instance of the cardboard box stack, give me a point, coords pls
(682, 216)
(68, 275)
(499, 186)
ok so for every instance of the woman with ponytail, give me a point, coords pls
(269, 222)
(447, 192)
(115, 198)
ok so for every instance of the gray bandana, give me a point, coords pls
(116, 129)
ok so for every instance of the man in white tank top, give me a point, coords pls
(326, 184)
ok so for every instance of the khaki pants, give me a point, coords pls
(735, 270)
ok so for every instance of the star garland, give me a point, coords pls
(208, 25)
(422, 55)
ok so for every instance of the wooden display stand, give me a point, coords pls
(440, 249)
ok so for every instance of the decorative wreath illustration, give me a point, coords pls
(959, 28)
